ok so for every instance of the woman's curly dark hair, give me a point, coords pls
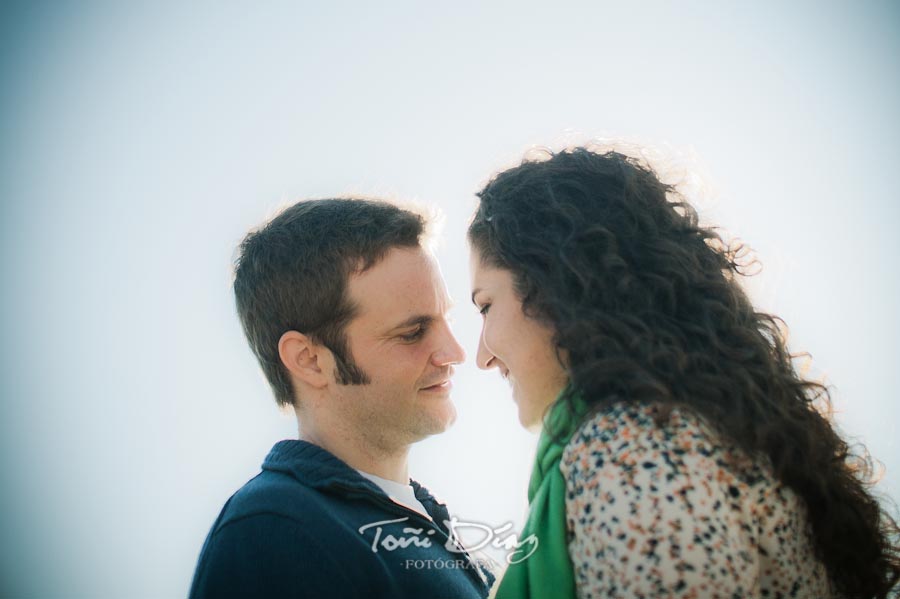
(646, 305)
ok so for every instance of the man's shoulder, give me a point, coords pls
(279, 537)
(274, 495)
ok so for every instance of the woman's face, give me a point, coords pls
(520, 347)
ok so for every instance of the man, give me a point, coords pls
(346, 311)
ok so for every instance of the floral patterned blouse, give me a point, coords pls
(673, 511)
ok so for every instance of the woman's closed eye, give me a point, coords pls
(484, 309)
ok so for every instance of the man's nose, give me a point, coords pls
(450, 351)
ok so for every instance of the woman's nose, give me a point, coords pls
(484, 359)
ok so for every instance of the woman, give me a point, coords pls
(681, 455)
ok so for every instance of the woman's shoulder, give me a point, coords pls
(658, 498)
(609, 430)
(661, 435)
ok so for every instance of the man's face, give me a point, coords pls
(401, 340)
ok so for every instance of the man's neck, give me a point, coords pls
(356, 452)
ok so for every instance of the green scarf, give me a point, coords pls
(547, 572)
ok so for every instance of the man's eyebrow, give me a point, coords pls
(419, 319)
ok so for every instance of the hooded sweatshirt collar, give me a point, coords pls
(319, 469)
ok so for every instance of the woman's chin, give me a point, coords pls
(532, 408)
(530, 422)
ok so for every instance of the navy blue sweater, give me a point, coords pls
(310, 526)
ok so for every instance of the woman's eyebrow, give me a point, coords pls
(474, 293)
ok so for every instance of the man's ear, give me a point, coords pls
(304, 358)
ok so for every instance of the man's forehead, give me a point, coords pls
(406, 283)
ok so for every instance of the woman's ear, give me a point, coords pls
(304, 359)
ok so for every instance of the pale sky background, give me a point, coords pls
(138, 143)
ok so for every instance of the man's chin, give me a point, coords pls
(438, 418)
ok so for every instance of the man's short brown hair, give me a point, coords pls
(292, 274)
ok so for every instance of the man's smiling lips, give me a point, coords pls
(441, 387)
(441, 384)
